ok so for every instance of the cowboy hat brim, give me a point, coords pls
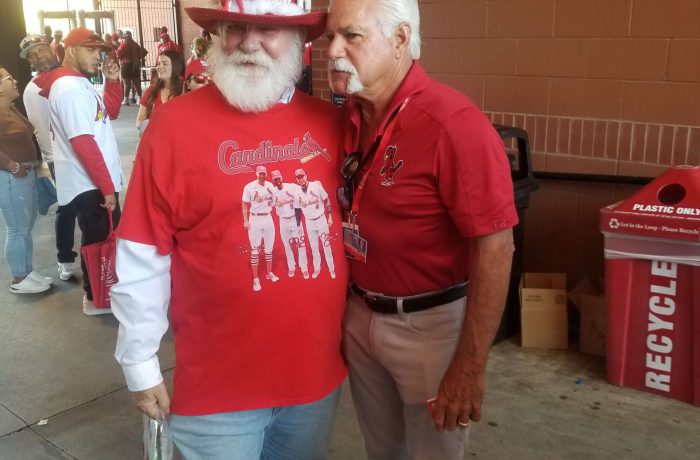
(208, 19)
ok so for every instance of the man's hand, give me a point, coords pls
(246, 224)
(459, 397)
(110, 69)
(110, 202)
(461, 391)
(154, 402)
(330, 221)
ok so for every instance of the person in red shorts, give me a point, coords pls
(257, 370)
(429, 229)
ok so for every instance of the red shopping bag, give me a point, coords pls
(99, 260)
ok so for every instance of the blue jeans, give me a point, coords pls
(18, 206)
(300, 432)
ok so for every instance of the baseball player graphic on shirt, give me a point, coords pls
(257, 219)
(292, 233)
(314, 203)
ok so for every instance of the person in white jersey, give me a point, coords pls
(257, 219)
(88, 171)
(314, 203)
(291, 231)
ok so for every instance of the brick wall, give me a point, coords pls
(602, 86)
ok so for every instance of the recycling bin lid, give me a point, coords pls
(668, 207)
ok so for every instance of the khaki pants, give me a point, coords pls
(396, 363)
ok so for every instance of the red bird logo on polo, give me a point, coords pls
(390, 167)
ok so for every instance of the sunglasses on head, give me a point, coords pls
(31, 42)
(199, 78)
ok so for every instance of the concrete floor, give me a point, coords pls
(56, 364)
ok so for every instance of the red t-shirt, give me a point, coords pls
(157, 102)
(58, 51)
(450, 182)
(238, 349)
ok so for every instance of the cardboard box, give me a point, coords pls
(591, 305)
(592, 338)
(543, 314)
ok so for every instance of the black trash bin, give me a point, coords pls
(523, 185)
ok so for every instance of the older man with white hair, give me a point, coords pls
(39, 55)
(258, 372)
(430, 211)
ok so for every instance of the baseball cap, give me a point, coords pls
(261, 169)
(195, 67)
(276, 174)
(83, 36)
(299, 172)
(28, 43)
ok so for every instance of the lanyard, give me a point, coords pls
(386, 137)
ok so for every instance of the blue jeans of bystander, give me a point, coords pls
(18, 207)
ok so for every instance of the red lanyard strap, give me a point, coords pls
(386, 137)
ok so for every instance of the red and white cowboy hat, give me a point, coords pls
(267, 12)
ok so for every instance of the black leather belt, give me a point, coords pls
(411, 304)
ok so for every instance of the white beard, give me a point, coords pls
(254, 88)
(344, 65)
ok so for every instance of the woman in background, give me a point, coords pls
(167, 85)
(19, 159)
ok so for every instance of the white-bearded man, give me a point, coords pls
(256, 371)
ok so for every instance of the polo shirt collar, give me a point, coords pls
(415, 81)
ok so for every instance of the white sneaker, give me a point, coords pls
(305, 274)
(314, 275)
(28, 286)
(291, 272)
(256, 284)
(332, 275)
(66, 270)
(272, 277)
(40, 278)
(90, 309)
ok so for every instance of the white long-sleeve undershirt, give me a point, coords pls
(140, 302)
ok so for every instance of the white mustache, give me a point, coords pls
(258, 58)
(342, 65)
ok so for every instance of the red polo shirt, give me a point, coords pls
(443, 179)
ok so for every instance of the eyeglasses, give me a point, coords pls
(200, 79)
(348, 170)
